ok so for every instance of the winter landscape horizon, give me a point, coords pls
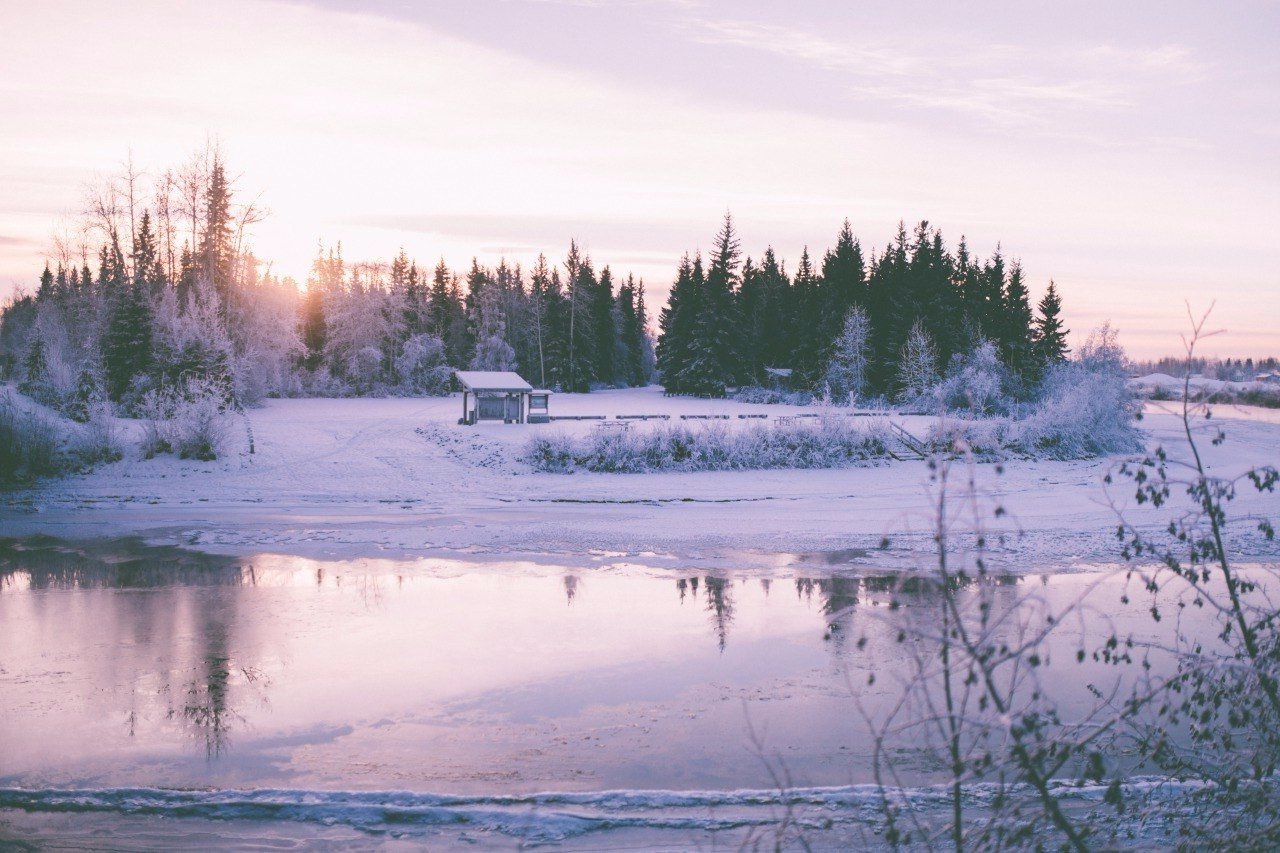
(651, 425)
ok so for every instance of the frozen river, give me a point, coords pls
(126, 666)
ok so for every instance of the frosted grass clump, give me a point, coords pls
(827, 443)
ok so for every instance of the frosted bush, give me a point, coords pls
(323, 383)
(422, 367)
(828, 443)
(201, 422)
(975, 383)
(31, 442)
(155, 412)
(755, 394)
(364, 367)
(99, 442)
(1086, 410)
(192, 420)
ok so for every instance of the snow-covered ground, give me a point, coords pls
(1173, 385)
(332, 477)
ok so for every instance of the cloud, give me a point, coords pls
(995, 82)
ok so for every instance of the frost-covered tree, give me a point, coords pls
(1102, 350)
(492, 350)
(847, 370)
(421, 366)
(917, 365)
(975, 382)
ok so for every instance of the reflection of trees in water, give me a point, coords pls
(207, 707)
(128, 563)
(719, 601)
(838, 596)
(177, 642)
(720, 605)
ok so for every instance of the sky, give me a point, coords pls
(1127, 151)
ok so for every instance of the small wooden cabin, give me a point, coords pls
(494, 395)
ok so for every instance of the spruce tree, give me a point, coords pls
(805, 341)
(1050, 336)
(714, 361)
(217, 250)
(844, 282)
(676, 323)
(773, 317)
(1016, 326)
(631, 332)
(582, 287)
(604, 330)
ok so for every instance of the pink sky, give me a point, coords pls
(1129, 154)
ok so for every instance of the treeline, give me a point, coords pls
(1226, 369)
(884, 325)
(573, 332)
(174, 293)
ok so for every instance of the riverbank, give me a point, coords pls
(399, 477)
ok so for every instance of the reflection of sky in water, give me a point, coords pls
(129, 665)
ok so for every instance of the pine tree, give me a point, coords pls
(770, 322)
(127, 339)
(604, 329)
(805, 339)
(1016, 326)
(45, 290)
(35, 369)
(217, 250)
(1050, 336)
(844, 282)
(676, 324)
(631, 334)
(148, 273)
(582, 286)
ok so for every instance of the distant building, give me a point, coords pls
(778, 378)
(498, 395)
(1268, 378)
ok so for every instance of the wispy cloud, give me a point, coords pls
(996, 82)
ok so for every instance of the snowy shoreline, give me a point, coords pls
(371, 477)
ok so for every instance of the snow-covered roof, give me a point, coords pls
(492, 380)
(778, 371)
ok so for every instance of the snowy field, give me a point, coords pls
(335, 477)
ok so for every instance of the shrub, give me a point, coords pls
(99, 441)
(32, 444)
(191, 420)
(975, 382)
(828, 443)
(755, 394)
(1086, 410)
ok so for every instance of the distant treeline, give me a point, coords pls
(916, 301)
(176, 292)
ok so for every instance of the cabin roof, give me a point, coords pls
(492, 380)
